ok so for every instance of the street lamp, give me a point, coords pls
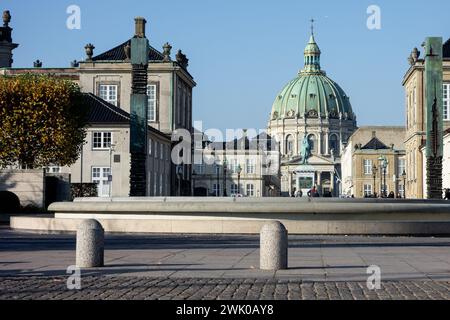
(110, 177)
(225, 165)
(374, 175)
(383, 165)
(218, 179)
(404, 183)
(194, 176)
(239, 171)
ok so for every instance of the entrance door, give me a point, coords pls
(100, 176)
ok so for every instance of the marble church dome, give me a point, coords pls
(312, 94)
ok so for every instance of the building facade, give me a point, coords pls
(374, 163)
(105, 157)
(415, 106)
(242, 167)
(106, 78)
(312, 118)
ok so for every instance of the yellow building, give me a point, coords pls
(415, 139)
(364, 172)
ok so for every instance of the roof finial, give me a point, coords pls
(312, 27)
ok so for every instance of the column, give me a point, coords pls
(290, 182)
(296, 150)
(332, 182)
(320, 152)
(327, 147)
(319, 180)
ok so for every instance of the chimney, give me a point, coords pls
(6, 44)
(244, 139)
(374, 134)
(140, 27)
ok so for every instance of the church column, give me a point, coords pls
(290, 182)
(297, 151)
(327, 141)
(319, 181)
(320, 144)
(332, 182)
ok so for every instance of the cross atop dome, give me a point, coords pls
(312, 53)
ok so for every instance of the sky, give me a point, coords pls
(243, 52)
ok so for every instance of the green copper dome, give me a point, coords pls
(312, 94)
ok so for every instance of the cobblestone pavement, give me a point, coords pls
(143, 288)
(311, 258)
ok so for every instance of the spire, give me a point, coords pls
(312, 54)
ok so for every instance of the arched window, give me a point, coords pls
(312, 143)
(334, 144)
(289, 144)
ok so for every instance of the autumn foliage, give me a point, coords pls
(42, 121)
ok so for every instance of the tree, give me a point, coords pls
(42, 121)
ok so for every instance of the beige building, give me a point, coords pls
(415, 106)
(105, 158)
(243, 167)
(107, 79)
(363, 172)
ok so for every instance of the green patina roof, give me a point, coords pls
(312, 93)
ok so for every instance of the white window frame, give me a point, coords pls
(152, 101)
(199, 168)
(367, 189)
(368, 165)
(109, 93)
(101, 180)
(216, 189)
(250, 190)
(104, 145)
(446, 103)
(234, 166)
(250, 166)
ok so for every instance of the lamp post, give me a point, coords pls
(239, 171)
(110, 177)
(194, 176)
(383, 166)
(179, 176)
(225, 164)
(218, 180)
(404, 183)
(374, 175)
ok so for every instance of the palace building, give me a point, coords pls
(415, 140)
(312, 118)
(106, 80)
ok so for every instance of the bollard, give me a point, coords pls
(273, 246)
(90, 244)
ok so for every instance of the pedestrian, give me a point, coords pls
(391, 195)
(447, 194)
